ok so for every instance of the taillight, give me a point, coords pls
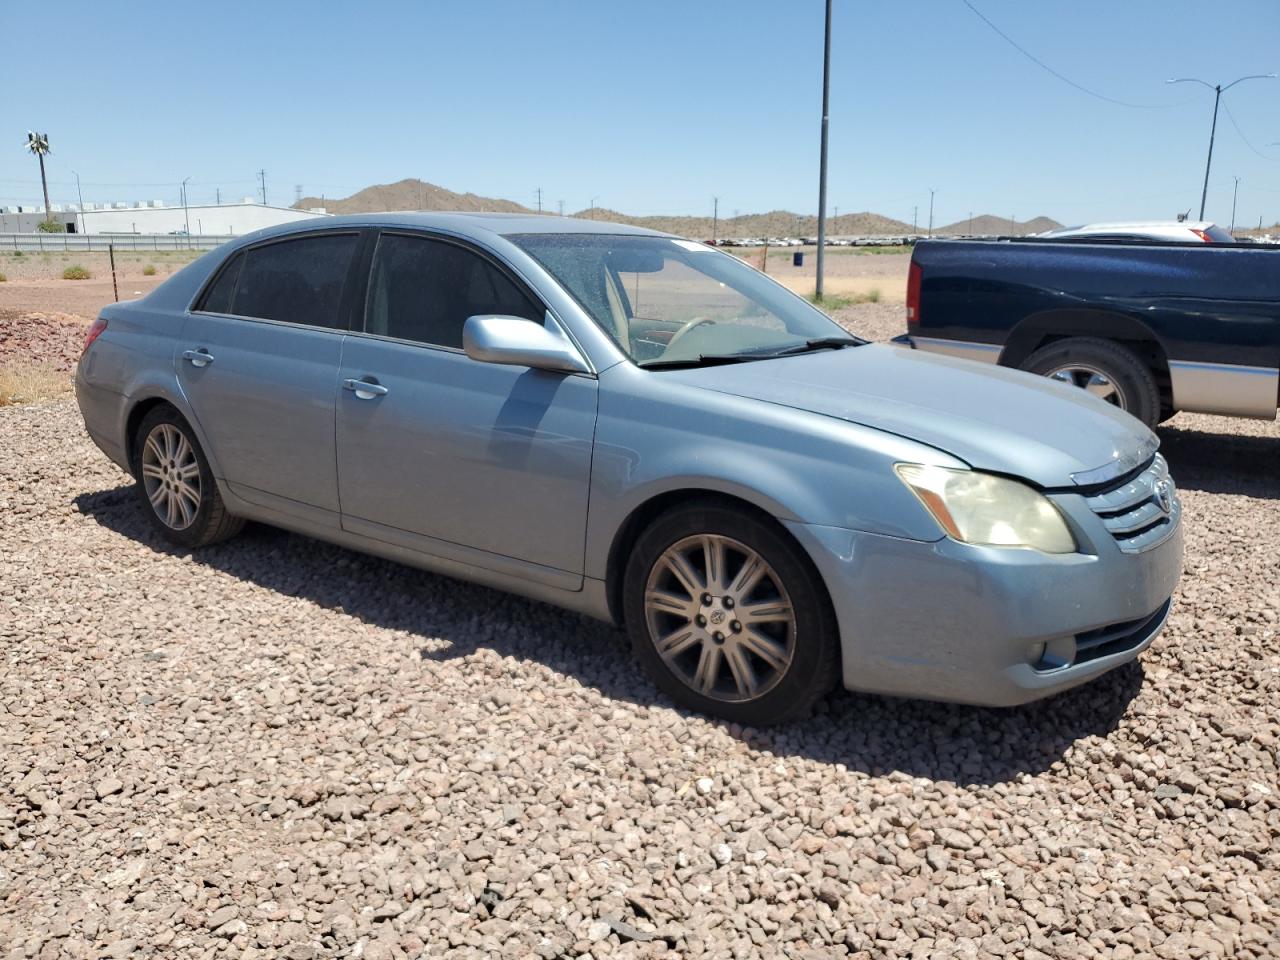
(914, 274)
(95, 331)
(1203, 235)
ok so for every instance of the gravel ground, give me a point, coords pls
(275, 747)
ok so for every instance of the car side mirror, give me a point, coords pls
(492, 338)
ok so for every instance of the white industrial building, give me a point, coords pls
(154, 217)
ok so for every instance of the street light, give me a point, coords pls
(822, 161)
(931, 213)
(593, 206)
(80, 197)
(1218, 91)
(186, 216)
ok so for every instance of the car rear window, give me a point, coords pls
(293, 281)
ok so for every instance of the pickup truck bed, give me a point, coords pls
(1153, 327)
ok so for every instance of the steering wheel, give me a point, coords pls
(695, 322)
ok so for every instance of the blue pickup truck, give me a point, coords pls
(1151, 327)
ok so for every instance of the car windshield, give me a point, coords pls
(669, 302)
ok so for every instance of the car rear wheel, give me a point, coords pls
(174, 483)
(1107, 370)
(729, 616)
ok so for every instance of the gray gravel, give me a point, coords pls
(277, 748)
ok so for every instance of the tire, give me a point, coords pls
(1080, 360)
(186, 513)
(795, 663)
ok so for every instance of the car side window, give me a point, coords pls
(295, 281)
(424, 290)
(217, 299)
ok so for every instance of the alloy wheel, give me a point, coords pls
(1100, 384)
(171, 476)
(720, 618)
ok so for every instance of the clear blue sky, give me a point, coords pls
(653, 106)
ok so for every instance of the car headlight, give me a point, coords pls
(981, 508)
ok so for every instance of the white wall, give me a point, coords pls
(220, 219)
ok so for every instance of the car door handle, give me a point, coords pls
(365, 389)
(198, 358)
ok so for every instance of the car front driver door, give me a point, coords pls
(475, 462)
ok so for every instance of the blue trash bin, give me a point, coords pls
(797, 258)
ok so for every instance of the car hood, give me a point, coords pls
(991, 417)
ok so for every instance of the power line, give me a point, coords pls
(1067, 80)
(1232, 117)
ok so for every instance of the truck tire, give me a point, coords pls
(1104, 368)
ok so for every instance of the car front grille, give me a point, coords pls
(1141, 512)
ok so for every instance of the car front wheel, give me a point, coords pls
(729, 616)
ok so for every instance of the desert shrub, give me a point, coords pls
(873, 295)
(3, 278)
(75, 272)
(149, 270)
(51, 226)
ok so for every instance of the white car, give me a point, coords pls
(1169, 231)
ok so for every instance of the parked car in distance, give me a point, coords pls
(1169, 231)
(646, 430)
(1151, 327)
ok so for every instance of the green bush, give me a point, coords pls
(75, 272)
(3, 278)
(51, 226)
(149, 270)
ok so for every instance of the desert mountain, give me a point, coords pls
(416, 194)
(989, 225)
(776, 223)
(409, 194)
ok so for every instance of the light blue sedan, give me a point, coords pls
(651, 432)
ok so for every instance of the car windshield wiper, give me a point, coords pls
(818, 343)
(703, 360)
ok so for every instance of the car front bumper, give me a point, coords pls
(992, 626)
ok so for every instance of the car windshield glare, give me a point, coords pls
(666, 301)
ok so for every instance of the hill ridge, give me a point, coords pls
(414, 194)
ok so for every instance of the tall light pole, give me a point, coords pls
(1235, 191)
(715, 218)
(80, 197)
(185, 213)
(593, 206)
(822, 160)
(1218, 91)
(931, 212)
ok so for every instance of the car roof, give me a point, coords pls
(466, 224)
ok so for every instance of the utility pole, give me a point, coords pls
(539, 199)
(931, 211)
(715, 218)
(1235, 190)
(297, 193)
(822, 162)
(1218, 91)
(593, 206)
(262, 175)
(915, 215)
(80, 197)
(561, 203)
(186, 216)
(217, 192)
(971, 223)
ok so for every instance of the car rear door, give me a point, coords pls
(258, 361)
(476, 462)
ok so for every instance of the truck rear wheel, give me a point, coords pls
(1107, 370)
